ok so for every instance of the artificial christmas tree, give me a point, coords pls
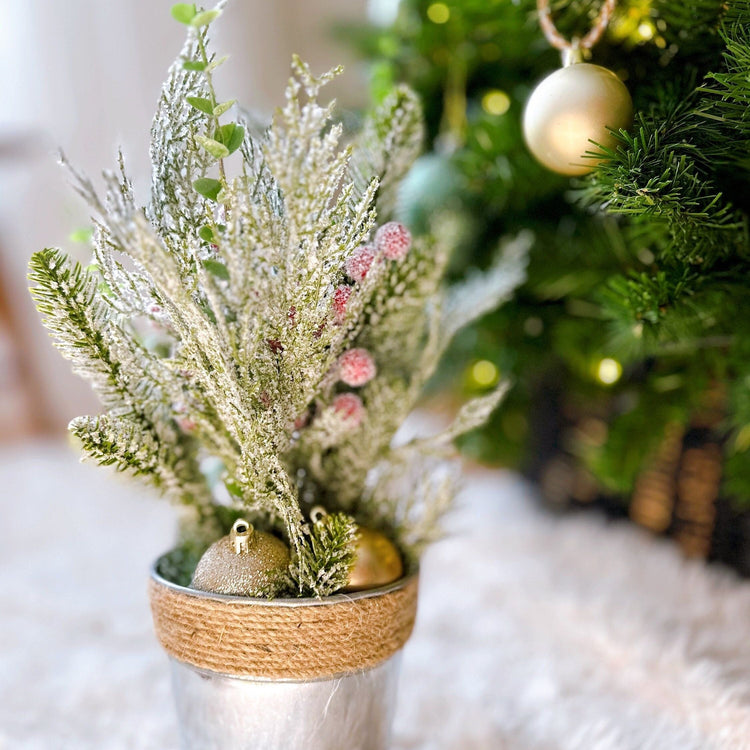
(631, 326)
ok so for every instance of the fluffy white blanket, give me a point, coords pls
(534, 632)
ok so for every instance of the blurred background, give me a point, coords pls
(627, 352)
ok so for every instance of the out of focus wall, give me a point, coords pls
(84, 76)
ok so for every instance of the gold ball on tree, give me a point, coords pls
(570, 108)
(246, 562)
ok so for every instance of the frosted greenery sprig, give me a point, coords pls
(288, 339)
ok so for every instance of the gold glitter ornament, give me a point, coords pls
(246, 562)
(377, 562)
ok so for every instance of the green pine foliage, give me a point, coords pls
(212, 321)
(645, 261)
(328, 557)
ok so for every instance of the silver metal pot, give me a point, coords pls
(351, 710)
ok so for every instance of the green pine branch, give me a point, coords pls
(327, 556)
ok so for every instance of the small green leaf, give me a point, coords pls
(207, 234)
(207, 187)
(205, 18)
(215, 64)
(84, 234)
(236, 140)
(230, 135)
(216, 149)
(209, 313)
(196, 65)
(224, 132)
(183, 12)
(233, 486)
(217, 269)
(201, 104)
(220, 109)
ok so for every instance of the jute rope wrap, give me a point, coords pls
(282, 640)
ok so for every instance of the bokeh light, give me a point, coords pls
(495, 102)
(438, 13)
(609, 371)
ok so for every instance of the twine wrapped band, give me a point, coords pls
(289, 639)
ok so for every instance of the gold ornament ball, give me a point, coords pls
(377, 562)
(570, 108)
(247, 562)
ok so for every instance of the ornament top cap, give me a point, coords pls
(572, 55)
(242, 532)
(318, 513)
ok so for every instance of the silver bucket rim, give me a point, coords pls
(281, 602)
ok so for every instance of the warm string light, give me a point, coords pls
(608, 371)
(439, 13)
(495, 102)
(484, 373)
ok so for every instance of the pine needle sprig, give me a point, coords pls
(327, 558)
(656, 175)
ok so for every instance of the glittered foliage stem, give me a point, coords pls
(255, 339)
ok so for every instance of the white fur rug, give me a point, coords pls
(534, 632)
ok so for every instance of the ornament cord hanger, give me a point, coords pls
(571, 48)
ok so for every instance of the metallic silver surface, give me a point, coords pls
(219, 712)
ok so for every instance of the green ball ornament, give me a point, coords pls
(570, 108)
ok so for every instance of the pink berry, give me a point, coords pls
(358, 263)
(350, 407)
(183, 421)
(186, 424)
(393, 240)
(340, 301)
(356, 367)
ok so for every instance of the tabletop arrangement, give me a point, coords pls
(257, 334)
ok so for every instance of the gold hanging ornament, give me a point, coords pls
(576, 104)
(377, 562)
(246, 562)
